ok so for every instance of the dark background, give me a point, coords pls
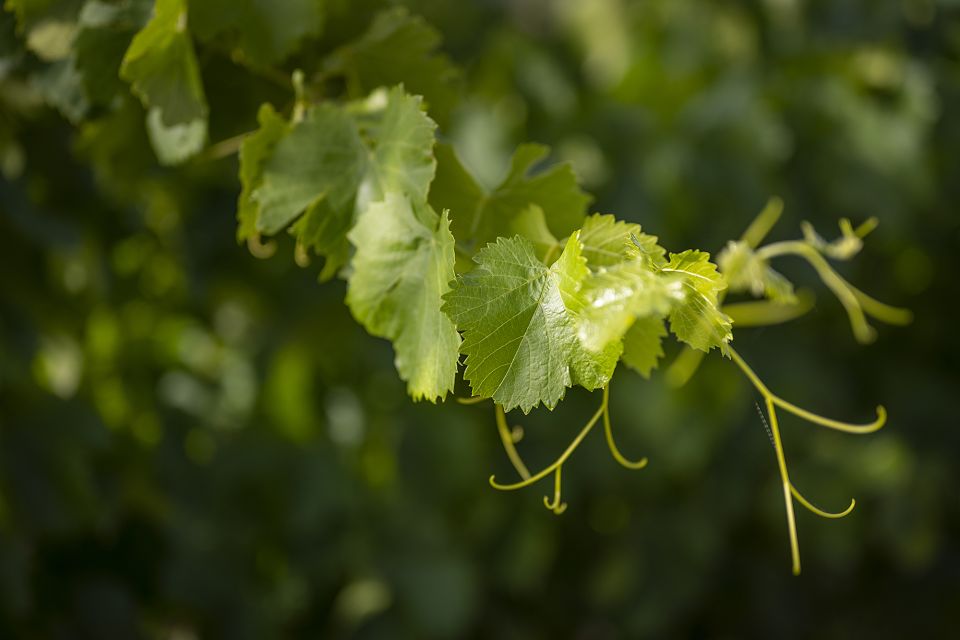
(196, 443)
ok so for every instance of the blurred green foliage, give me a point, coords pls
(197, 443)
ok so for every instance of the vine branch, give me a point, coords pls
(790, 492)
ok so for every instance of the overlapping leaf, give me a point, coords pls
(320, 171)
(643, 345)
(402, 266)
(480, 217)
(696, 317)
(591, 368)
(615, 296)
(607, 241)
(255, 150)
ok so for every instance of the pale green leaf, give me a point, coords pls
(606, 239)
(696, 318)
(532, 225)
(402, 266)
(176, 142)
(643, 345)
(644, 247)
(614, 297)
(591, 368)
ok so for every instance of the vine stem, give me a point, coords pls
(790, 492)
(787, 487)
(856, 303)
(556, 504)
(608, 432)
(803, 413)
(526, 482)
(506, 437)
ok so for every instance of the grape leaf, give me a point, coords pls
(606, 239)
(615, 296)
(317, 167)
(338, 160)
(518, 335)
(321, 158)
(254, 150)
(162, 69)
(590, 368)
(644, 247)
(402, 136)
(744, 270)
(398, 48)
(264, 31)
(480, 217)
(532, 225)
(402, 266)
(642, 344)
(696, 318)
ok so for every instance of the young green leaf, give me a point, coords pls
(401, 137)
(402, 266)
(643, 345)
(696, 318)
(591, 368)
(532, 225)
(615, 296)
(337, 161)
(607, 241)
(644, 247)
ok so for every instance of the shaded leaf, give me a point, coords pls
(399, 48)
(480, 217)
(162, 69)
(264, 31)
(402, 266)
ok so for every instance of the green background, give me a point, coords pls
(197, 443)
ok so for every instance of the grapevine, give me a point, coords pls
(514, 288)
